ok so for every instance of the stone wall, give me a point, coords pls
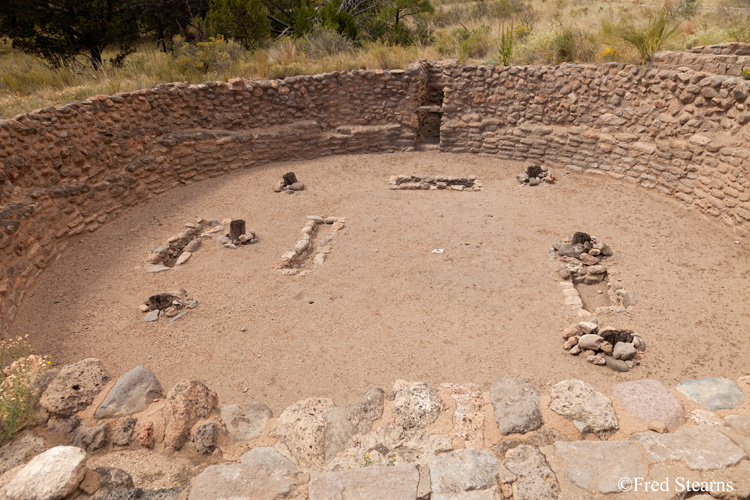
(412, 442)
(722, 59)
(67, 171)
(683, 134)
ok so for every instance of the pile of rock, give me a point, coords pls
(288, 184)
(179, 248)
(238, 235)
(617, 349)
(535, 175)
(435, 182)
(293, 259)
(584, 261)
(170, 305)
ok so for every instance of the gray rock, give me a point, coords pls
(590, 341)
(534, 479)
(297, 186)
(132, 393)
(91, 438)
(156, 268)
(623, 351)
(369, 483)
(152, 316)
(463, 470)
(522, 178)
(268, 457)
(111, 478)
(245, 422)
(416, 405)
(703, 447)
(590, 411)
(617, 365)
(650, 400)
(516, 406)
(51, 475)
(571, 250)
(586, 327)
(240, 481)
(598, 466)
(139, 494)
(193, 245)
(18, 451)
(75, 387)
(124, 433)
(204, 437)
(713, 393)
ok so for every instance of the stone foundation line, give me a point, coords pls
(453, 441)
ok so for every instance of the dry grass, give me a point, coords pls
(545, 31)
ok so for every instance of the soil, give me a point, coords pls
(383, 306)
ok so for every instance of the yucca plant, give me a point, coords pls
(662, 26)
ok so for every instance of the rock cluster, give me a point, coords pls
(178, 249)
(288, 184)
(619, 350)
(535, 175)
(409, 444)
(470, 183)
(292, 260)
(585, 261)
(170, 305)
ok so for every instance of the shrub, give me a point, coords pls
(19, 392)
(243, 20)
(745, 72)
(660, 27)
(215, 55)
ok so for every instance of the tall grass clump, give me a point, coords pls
(660, 27)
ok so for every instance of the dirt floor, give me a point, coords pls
(383, 306)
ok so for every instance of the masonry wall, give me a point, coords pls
(684, 134)
(723, 59)
(67, 171)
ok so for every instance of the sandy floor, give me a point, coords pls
(383, 307)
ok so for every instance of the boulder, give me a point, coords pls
(650, 400)
(415, 405)
(616, 365)
(75, 387)
(713, 393)
(516, 406)
(590, 411)
(468, 413)
(51, 475)
(463, 470)
(132, 393)
(377, 482)
(246, 421)
(534, 479)
(124, 432)
(240, 481)
(187, 402)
